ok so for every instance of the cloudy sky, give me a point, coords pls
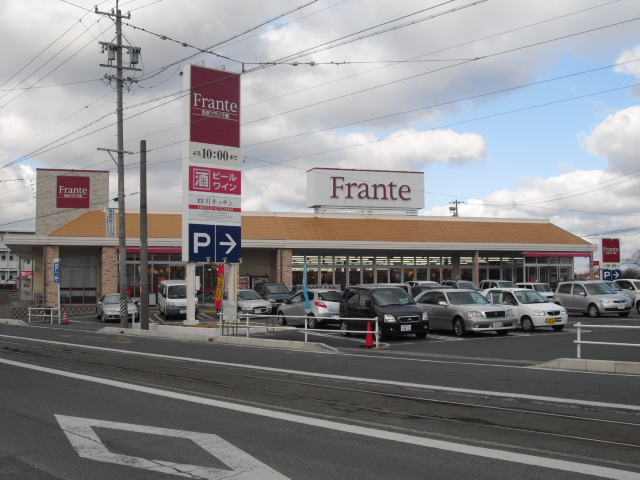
(523, 109)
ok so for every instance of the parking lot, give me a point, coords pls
(543, 344)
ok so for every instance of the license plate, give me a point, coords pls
(183, 311)
(497, 324)
(405, 328)
(335, 316)
(551, 321)
(620, 307)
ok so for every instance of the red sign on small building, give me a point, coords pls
(610, 250)
(73, 192)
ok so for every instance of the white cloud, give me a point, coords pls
(633, 66)
(617, 139)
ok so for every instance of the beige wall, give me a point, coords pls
(48, 217)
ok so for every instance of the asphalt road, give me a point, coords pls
(78, 403)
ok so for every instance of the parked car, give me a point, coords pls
(250, 302)
(324, 308)
(207, 296)
(415, 283)
(618, 289)
(172, 298)
(465, 311)
(485, 284)
(405, 286)
(632, 289)
(274, 293)
(108, 308)
(592, 297)
(543, 289)
(418, 289)
(530, 308)
(461, 284)
(394, 308)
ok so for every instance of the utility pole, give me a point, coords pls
(115, 50)
(454, 207)
(144, 251)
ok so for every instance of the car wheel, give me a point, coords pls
(312, 322)
(421, 336)
(624, 314)
(97, 314)
(558, 328)
(502, 333)
(459, 328)
(527, 324)
(281, 320)
(638, 306)
(593, 311)
(343, 329)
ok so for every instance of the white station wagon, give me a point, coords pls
(532, 309)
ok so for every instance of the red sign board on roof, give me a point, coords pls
(73, 192)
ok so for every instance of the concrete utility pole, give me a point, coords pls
(454, 207)
(144, 255)
(115, 50)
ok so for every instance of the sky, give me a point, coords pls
(525, 109)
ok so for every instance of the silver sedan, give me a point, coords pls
(465, 311)
(324, 308)
(108, 308)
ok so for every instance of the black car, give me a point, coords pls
(395, 310)
(461, 284)
(275, 293)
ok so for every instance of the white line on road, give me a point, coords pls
(352, 379)
(460, 448)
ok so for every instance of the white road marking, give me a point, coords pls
(84, 440)
(460, 448)
(358, 379)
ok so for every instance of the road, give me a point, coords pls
(78, 403)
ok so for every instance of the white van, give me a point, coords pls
(172, 298)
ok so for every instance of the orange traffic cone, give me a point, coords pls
(65, 320)
(368, 343)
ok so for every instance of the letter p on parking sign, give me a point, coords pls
(201, 242)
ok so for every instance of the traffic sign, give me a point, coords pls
(56, 270)
(219, 243)
(611, 274)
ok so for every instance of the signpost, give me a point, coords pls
(56, 279)
(212, 180)
(611, 274)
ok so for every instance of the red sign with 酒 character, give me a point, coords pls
(215, 180)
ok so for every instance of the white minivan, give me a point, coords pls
(172, 298)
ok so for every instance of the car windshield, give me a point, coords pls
(614, 286)
(248, 295)
(506, 285)
(466, 298)
(542, 287)
(114, 299)
(530, 296)
(177, 291)
(391, 296)
(468, 286)
(330, 296)
(276, 289)
(637, 284)
(598, 289)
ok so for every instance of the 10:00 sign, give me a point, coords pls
(213, 154)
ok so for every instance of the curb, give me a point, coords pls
(603, 366)
(10, 321)
(224, 340)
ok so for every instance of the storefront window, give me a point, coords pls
(422, 274)
(382, 260)
(297, 260)
(340, 260)
(566, 260)
(160, 257)
(327, 276)
(434, 275)
(354, 260)
(382, 275)
(409, 274)
(367, 275)
(296, 276)
(466, 274)
(366, 260)
(354, 276)
(327, 259)
(447, 274)
(422, 260)
(78, 280)
(312, 276)
(396, 275)
(494, 261)
(395, 260)
(312, 259)
(434, 260)
(494, 274)
(341, 277)
(466, 260)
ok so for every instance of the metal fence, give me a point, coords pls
(580, 342)
(244, 321)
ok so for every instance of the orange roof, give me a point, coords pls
(351, 229)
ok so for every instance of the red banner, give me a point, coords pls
(215, 180)
(215, 107)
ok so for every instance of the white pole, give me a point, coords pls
(579, 339)
(59, 306)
